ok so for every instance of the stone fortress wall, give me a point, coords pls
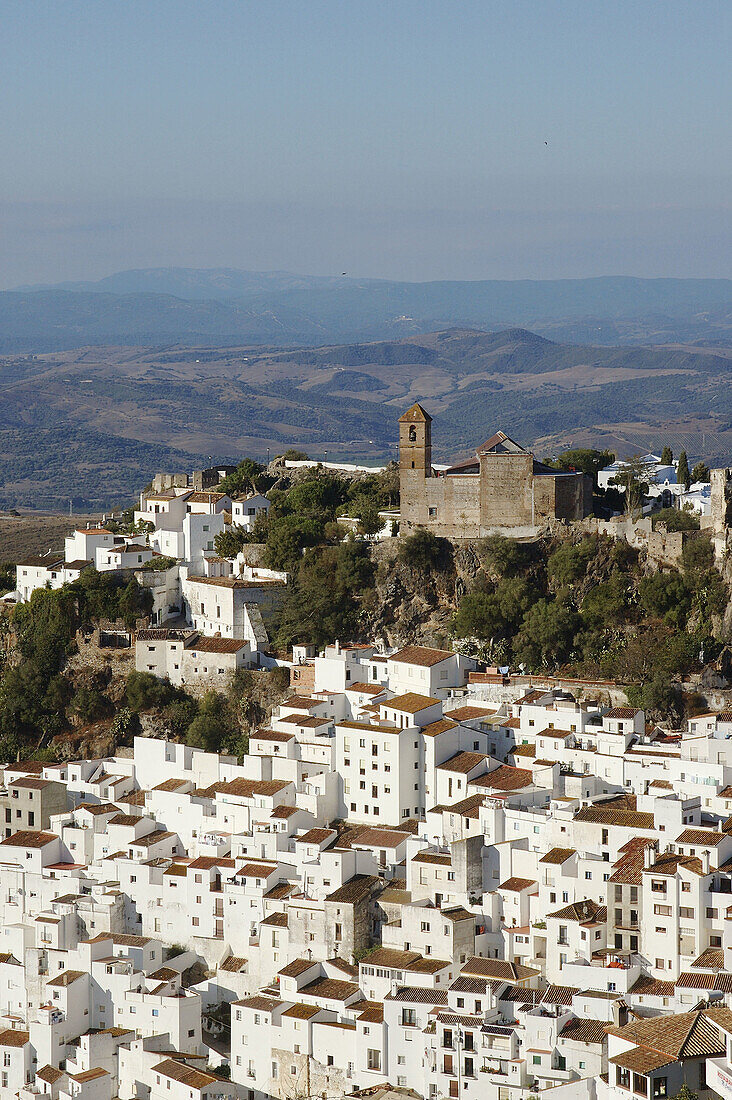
(502, 487)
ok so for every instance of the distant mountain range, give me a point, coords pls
(229, 307)
(95, 423)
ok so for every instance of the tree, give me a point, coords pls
(569, 562)
(667, 456)
(213, 727)
(143, 691)
(89, 704)
(683, 477)
(697, 555)
(494, 616)
(676, 519)
(547, 634)
(229, 543)
(370, 523)
(325, 599)
(586, 459)
(246, 478)
(685, 1093)
(667, 596)
(700, 472)
(659, 698)
(606, 604)
(505, 556)
(424, 551)
(633, 478)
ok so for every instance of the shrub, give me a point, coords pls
(144, 691)
(676, 519)
(424, 551)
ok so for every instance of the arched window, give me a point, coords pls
(412, 434)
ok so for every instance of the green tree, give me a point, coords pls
(213, 728)
(569, 562)
(607, 603)
(659, 698)
(425, 552)
(143, 691)
(370, 523)
(676, 519)
(547, 634)
(179, 714)
(683, 476)
(327, 594)
(503, 556)
(586, 459)
(685, 1093)
(247, 478)
(229, 543)
(494, 616)
(667, 596)
(697, 555)
(89, 705)
(667, 456)
(700, 472)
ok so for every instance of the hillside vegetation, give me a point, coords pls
(96, 423)
(582, 605)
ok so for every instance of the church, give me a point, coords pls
(502, 487)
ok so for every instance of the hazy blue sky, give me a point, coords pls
(403, 138)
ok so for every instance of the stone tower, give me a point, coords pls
(415, 444)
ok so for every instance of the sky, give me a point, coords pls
(408, 139)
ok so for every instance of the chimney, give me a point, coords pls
(649, 853)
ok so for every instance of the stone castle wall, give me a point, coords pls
(505, 493)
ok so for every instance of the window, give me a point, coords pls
(622, 1077)
(640, 1084)
(660, 1085)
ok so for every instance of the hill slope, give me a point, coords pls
(222, 306)
(95, 423)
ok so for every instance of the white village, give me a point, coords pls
(427, 878)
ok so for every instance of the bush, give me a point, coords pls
(698, 555)
(213, 728)
(229, 543)
(676, 519)
(89, 705)
(547, 634)
(425, 552)
(144, 691)
(494, 615)
(504, 556)
(606, 604)
(667, 596)
(569, 562)
(325, 599)
(659, 698)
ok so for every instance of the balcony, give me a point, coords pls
(719, 1077)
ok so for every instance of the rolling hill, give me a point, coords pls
(227, 307)
(94, 423)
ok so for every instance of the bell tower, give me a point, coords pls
(415, 444)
